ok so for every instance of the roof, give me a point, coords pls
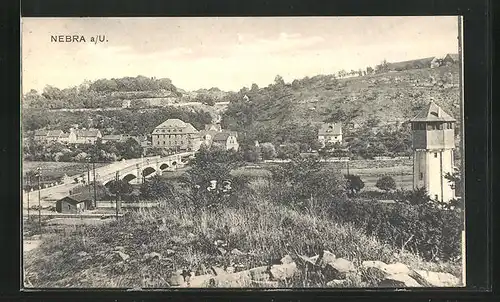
(330, 129)
(221, 136)
(41, 132)
(210, 132)
(403, 64)
(209, 127)
(432, 113)
(112, 137)
(55, 133)
(453, 56)
(76, 198)
(185, 128)
(64, 135)
(87, 132)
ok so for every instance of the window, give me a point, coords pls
(421, 176)
(436, 197)
(435, 155)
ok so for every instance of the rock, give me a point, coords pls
(177, 278)
(283, 272)
(338, 269)
(305, 263)
(397, 268)
(399, 280)
(287, 259)
(434, 279)
(324, 258)
(260, 273)
(218, 271)
(169, 252)
(265, 284)
(199, 281)
(241, 279)
(336, 283)
(82, 254)
(122, 255)
(237, 252)
(230, 269)
(375, 269)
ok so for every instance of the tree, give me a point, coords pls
(268, 151)
(278, 81)
(254, 88)
(156, 187)
(386, 183)
(369, 70)
(288, 151)
(119, 187)
(354, 184)
(382, 67)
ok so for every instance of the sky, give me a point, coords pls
(228, 53)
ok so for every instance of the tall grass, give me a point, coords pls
(263, 230)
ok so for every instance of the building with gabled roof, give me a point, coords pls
(330, 133)
(451, 58)
(86, 136)
(227, 139)
(176, 135)
(74, 204)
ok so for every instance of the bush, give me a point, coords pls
(354, 184)
(386, 183)
(424, 230)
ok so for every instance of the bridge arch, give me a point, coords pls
(148, 170)
(164, 166)
(129, 177)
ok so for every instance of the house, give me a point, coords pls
(176, 135)
(436, 62)
(40, 135)
(226, 139)
(450, 59)
(411, 64)
(54, 135)
(207, 136)
(86, 136)
(74, 204)
(68, 137)
(213, 127)
(330, 133)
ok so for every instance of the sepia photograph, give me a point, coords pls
(242, 152)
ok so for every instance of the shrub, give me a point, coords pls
(424, 230)
(354, 184)
(386, 183)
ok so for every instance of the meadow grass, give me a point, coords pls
(264, 231)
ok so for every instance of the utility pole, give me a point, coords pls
(117, 181)
(39, 174)
(95, 192)
(28, 189)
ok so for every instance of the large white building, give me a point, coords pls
(433, 145)
(330, 133)
(176, 135)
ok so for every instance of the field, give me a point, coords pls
(56, 170)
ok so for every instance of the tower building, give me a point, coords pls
(433, 145)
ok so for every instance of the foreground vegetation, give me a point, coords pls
(212, 217)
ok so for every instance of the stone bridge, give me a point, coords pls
(137, 170)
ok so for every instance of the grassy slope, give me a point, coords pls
(54, 170)
(265, 230)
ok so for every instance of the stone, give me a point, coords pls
(283, 272)
(237, 252)
(169, 252)
(305, 263)
(260, 273)
(336, 283)
(265, 284)
(375, 269)
(199, 281)
(218, 271)
(241, 279)
(338, 269)
(325, 258)
(434, 279)
(176, 279)
(287, 259)
(82, 254)
(397, 268)
(122, 255)
(399, 280)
